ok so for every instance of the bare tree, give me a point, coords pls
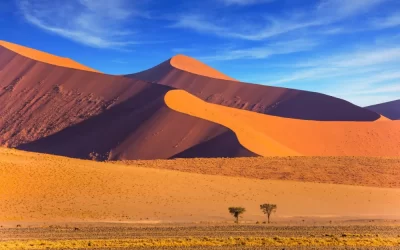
(268, 209)
(236, 212)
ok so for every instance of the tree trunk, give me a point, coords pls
(268, 218)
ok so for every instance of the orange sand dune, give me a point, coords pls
(182, 72)
(47, 108)
(45, 57)
(270, 135)
(191, 65)
(39, 187)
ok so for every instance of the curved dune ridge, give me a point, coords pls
(269, 135)
(47, 108)
(182, 72)
(252, 139)
(45, 57)
(125, 118)
(194, 66)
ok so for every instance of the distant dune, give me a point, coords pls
(389, 109)
(37, 187)
(186, 73)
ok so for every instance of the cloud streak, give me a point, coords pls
(325, 13)
(262, 52)
(390, 21)
(95, 23)
(244, 2)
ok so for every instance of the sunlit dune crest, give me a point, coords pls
(254, 140)
(45, 57)
(270, 135)
(191, 65)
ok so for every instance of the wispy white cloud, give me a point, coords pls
(358, 58)
(96, 23)
(119, 61)
(340, 9)
(390, 21)
(262, 52)
(369, 95)
(325, 13)
(354, 76)
(244, 2)
(376, 63)
(392, 88)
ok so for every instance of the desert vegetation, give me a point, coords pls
(60, 185)
(236, 212)
(268, 209)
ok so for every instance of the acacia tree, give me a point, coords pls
(236, 212)
(268, 209)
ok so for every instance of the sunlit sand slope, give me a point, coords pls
(191, 65)
(37, 187)
(44, 57)
(252, 139)
(269, 135)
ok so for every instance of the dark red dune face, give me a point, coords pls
(69, 112)
(389, 109)
(259, 98)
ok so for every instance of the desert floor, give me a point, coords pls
(301, 235)
(45, 188)
(360, 171)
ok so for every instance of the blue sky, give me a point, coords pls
(346, 48)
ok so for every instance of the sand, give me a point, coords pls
(196, 79)
(268, 135)
(191, 65)
(37, 187)
(45, 57)
(46, 108)
(358, 171)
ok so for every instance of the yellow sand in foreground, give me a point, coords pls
(202, 242)
(38, 187)
(45, 57)
(268, 135)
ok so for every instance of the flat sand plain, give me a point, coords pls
(38, 187)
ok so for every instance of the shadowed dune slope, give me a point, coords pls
(64, 111)
(270, 135)
(389, 109)
(44, 57)
(65, 189)
(182, 73)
